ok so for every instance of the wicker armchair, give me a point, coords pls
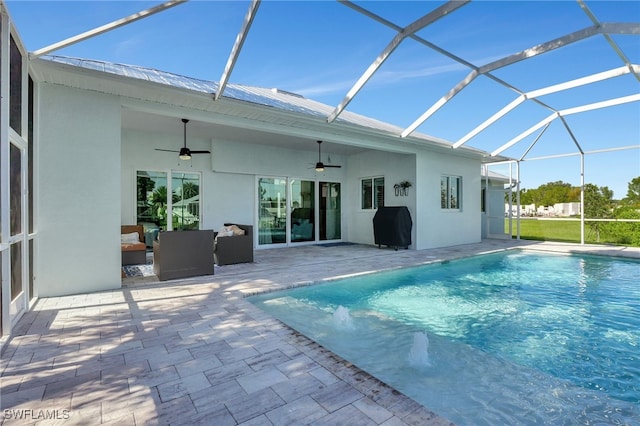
(182, 254)
(133, 253)
(236, 248)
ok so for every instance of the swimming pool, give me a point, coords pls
(505, 338)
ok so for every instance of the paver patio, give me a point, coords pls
(195, 352)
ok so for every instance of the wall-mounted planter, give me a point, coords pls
(402, 189)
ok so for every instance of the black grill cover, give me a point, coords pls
(392, 226)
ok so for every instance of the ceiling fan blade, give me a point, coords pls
(331, 165)
(166, 150)
(201, 152)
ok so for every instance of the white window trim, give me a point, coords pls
(373, 192)
(459, 194)
(169, 173)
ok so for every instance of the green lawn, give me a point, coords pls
(559, 230)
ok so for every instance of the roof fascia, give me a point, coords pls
(137, 93)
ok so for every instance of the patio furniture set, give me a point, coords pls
(189, 253)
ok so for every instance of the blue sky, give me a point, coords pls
(320, 48)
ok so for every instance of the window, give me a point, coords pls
(450, 187)
(372, 190)
(168, 201)
(272, 210)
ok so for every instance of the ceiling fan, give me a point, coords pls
(185, 153)
(320, 166)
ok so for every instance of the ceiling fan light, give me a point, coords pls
(319, 167)
(185, 154)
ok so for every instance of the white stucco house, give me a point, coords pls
(80, 139)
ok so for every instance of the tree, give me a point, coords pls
(159, 202)
(598, 204)
(624, 232)
(190, 190)
(549, 194)
(633, 193)
(145, 184)
(555, 192)
(523, 196)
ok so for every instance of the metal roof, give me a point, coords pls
(270, 97)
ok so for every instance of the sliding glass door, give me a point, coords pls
(186, 208)
(288, 213)
(302, 209)
(330, 211)
(272, 211)
(151, 202)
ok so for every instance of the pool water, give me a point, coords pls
(505, 338)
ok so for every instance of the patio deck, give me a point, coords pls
(195, 352)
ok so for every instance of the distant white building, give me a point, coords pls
(566, 209)
(545, 211)
(558, 209)
(525, 210)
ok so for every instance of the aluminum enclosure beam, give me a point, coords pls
(535, 141)
(565, 112)
(237, 47)
(407, 31)
(495, 117)
(529, 53)
(612, 43)
(573, 154)
(500, 63)
(541, 92)
(438, 49)
(107, 27)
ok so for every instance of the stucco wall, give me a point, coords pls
(78, 204)
(437, 227)
(394, 168)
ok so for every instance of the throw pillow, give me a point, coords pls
(130, 238)
(236, 230)
(224, 232)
